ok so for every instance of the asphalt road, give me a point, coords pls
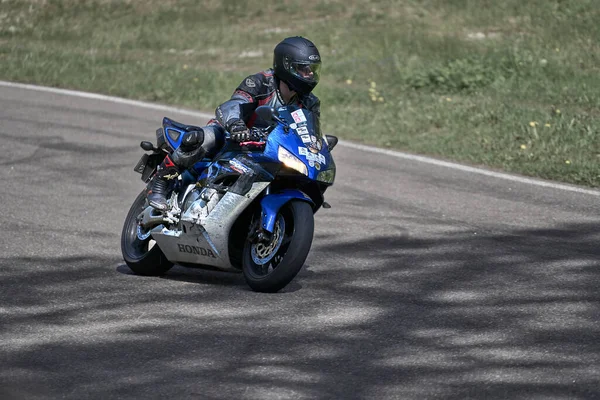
(423, 282)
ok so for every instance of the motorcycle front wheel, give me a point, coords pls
(137, 246)
(268, 266)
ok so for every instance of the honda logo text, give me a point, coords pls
(186, 248)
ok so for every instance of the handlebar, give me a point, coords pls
(257, 138)
(257, 134)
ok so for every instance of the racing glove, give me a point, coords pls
(238, 130)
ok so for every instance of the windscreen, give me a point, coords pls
(302, 121)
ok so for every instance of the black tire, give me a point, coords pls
(288, 257)
(136, 252)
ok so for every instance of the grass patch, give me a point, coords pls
(511, 85)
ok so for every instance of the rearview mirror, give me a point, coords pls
(267, 113)
(331, 141)
(148, 146)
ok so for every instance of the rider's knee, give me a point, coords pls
(214, 139)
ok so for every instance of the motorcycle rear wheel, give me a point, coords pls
(139, 255)
(290, 245)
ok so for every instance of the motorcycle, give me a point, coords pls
(250, 208)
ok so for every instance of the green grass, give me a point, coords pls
(511, 85)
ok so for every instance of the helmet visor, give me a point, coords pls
(308, 72)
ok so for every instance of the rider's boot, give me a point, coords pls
(194, 146)
(157, 194)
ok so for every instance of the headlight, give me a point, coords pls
(326, 176)
(290, 160)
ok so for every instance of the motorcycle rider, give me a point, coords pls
(295, 73)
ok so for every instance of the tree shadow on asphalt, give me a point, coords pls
(207, 276)
(492, 315)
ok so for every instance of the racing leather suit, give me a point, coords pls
(256, 90)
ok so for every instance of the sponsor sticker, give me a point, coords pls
(312, 157)
(315, 144)
(305, 138)
(302, 130)
(298, 116)
(238, 166)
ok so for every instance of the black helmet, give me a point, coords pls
(297, 62)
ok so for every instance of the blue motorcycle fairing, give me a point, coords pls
(272, 203)
(316, 162)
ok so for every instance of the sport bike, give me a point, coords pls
(250, 208)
